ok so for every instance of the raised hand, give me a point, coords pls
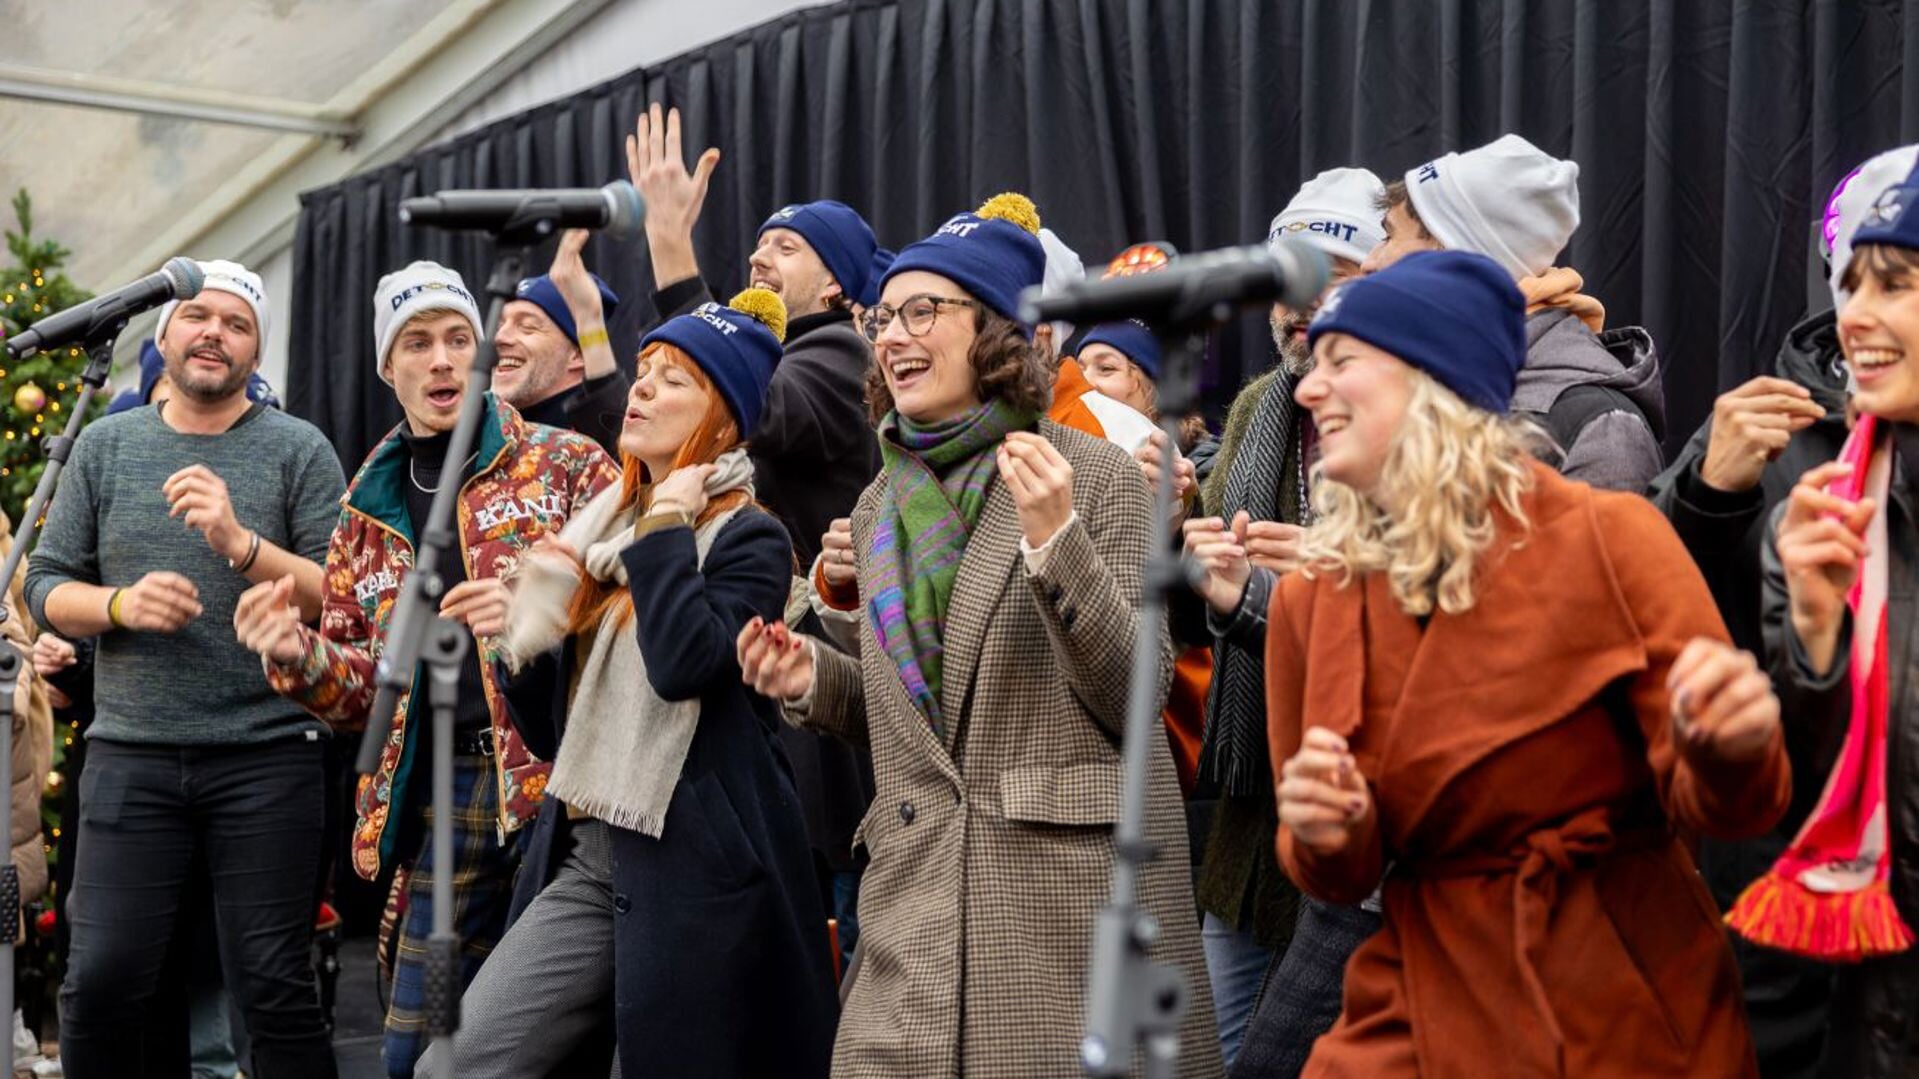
(1821, 546)
(160, 602)
(1751, 424)
(838, 563)
(1722, 703)
(1221, 555)
(673, 195)
(1322, 797)
(267, 622)
(52, 654)
(1149, 457)
(1272, 545)
(199, 496)
(683, 489)
(569, 276)
(777, 663)
(481, 604)
(1042, 485)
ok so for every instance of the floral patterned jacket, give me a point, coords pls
(530, 479)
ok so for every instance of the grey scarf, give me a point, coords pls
(624, 745)
(1232, 748)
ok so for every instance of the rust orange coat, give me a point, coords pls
(1541, 917)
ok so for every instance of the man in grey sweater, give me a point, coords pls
(165, 515)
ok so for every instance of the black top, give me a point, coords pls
(423, 478)
(595, 408)
(814, 450)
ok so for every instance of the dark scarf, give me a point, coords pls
(1232, 748)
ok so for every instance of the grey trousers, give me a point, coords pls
(549, 982)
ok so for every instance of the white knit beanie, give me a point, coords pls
(1337, 212)
(1850, 207)
(422, 286)
(224, 276)
(1508, 200)
(1063, 268)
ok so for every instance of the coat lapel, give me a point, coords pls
(1538, 644)
(984, 572)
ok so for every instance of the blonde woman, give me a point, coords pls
(1499, 692)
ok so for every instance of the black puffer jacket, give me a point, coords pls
(1726, 532)
(1788, 998)
(1875, 1003)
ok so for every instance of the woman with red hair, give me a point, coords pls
(672, 835)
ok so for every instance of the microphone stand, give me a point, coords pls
(1131, 1000)
(417, 634)
(99, 339)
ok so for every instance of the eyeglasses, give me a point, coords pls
(920, 312)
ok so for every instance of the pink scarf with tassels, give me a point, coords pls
(1827, 897)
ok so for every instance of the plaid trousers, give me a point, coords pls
(483, 870)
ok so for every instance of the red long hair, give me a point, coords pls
(716, 434)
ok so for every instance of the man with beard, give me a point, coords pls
(164, 516)
(556, 365)
(1258, 484)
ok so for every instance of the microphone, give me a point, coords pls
(1206, 285)
(179, 279)
(616, 208)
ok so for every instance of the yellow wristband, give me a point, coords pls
(593, 337)
(113, 608)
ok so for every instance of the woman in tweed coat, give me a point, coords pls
(993, 711)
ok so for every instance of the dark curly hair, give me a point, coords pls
(1006, 365)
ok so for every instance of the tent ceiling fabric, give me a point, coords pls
(101, 180)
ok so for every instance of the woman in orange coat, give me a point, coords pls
(1501, 693)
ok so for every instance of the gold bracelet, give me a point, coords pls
(592, 337)
(113, 608)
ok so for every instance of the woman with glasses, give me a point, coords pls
(999, 561)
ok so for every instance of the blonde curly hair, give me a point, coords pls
(1449, 469)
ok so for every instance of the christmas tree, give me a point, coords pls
(36, 393)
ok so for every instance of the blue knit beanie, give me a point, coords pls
(543, 293)
(838, 235)
(882, 262)
(1132, 339)
(737, 345)
(1891, 220)
(995, 254)
(1455, 315)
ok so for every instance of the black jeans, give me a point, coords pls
(252, 816)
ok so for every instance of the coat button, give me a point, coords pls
(1056, 593)
(621, 904)
(907, 812)
(1068, 616)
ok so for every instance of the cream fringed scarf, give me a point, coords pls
(624, 745)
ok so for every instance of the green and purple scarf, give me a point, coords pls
(936, 481)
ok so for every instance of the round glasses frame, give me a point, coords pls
(920, 313)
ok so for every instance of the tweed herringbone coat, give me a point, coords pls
(992, 847)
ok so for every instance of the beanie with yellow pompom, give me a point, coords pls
(993, 253)
(737, 345)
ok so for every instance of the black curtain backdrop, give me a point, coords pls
(1708, 133)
